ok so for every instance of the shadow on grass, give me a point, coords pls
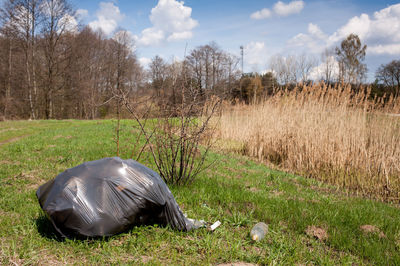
(46, 229)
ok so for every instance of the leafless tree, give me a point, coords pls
(329, 65)
(275, 64)
(286, 68)
(231, 71)
(158, 72)
(52, 69)
(85, 77)
(389, 74)
(6, 44)
(212, 69)
(57, 18)
(122, 64)
(21, 19)
(292, 69)
(175, 70)
(305, 64)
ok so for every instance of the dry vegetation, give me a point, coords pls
(331, 133)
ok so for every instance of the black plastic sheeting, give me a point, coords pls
(108, 196)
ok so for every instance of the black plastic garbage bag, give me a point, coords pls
(106, 197)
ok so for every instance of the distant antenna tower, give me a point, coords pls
(242, 54)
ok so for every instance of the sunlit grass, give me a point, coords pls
(237, 191)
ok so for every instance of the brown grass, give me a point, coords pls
(317, 232)
(333, 134)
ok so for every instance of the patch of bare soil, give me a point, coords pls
(12, 140)
(276, 193)
(317, 232)
(324, 189)
(145, 259)
(33, 180)
(253, 189)
(231, 170)
(61, 136)
(239, 263)
(9, 162)
(8, 129)
(372, 229)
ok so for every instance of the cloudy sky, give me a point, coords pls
(264, 28)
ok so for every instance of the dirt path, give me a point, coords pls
(12, 140)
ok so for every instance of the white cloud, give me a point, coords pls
(69, 23)
(107, 26)
(381, 33)
(172, 16)
(280, 9)
(390, 49)
(261, 14)
(151, 36)
(171, 21)
(314, 40)
(300, 39)
(316, 32)
(358, 25)
(386, 24)
(176, 36)
(318, 72)
(108, 16)
(125, 37)
(255, 55)
(293, 7)
(81, 13)
(144, 61)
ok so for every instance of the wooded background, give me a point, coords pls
(52, 68)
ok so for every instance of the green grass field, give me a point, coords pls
(236, 190)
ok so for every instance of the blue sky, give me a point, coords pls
(264, 28)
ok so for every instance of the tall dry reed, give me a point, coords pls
(333, 134)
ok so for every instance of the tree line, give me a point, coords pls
(54, 68)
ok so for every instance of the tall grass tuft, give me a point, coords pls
(333, 134)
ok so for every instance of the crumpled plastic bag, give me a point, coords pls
(109, 196)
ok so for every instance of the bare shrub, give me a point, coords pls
(176, 140)
(178, 132)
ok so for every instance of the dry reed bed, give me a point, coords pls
(333, 134)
